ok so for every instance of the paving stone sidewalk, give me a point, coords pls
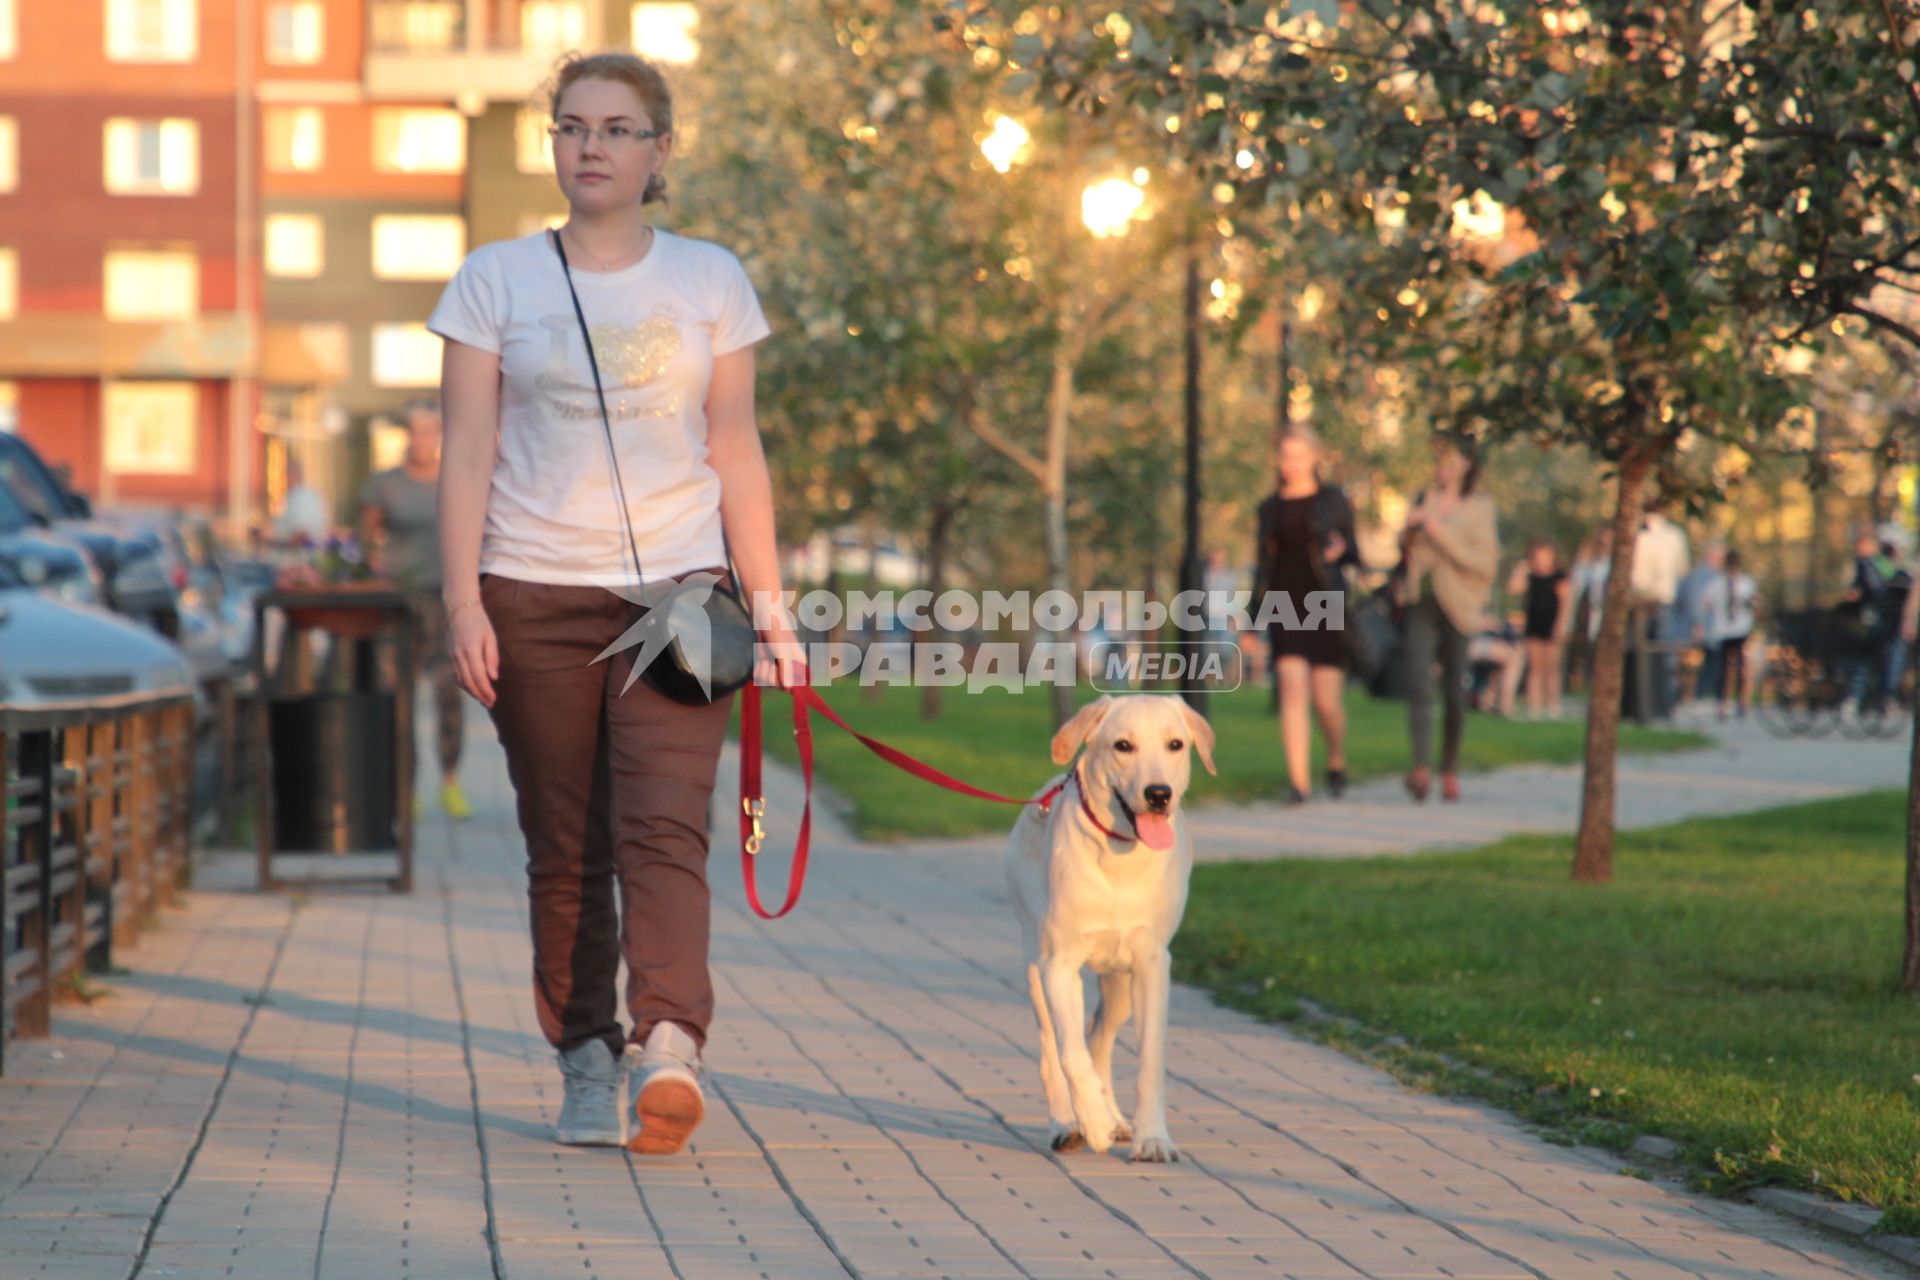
(349, 1084)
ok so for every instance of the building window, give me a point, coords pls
(296, 33)
(530, 149)
(152, 157)
(553, 24)
(152, 30)
(152, 428)
(664, 32)
(418, 246)
(9, 40)
(296, 139)
(9, 152)
(405, 355)
(9, 283)
(416, 26)
(419, 140)
(151, 284)
(296, 245)
(9, 403)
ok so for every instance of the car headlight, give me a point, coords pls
(78, 588)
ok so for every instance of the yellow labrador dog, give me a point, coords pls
(1099, 878)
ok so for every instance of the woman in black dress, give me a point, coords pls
(1306, 537)
(1548, 596)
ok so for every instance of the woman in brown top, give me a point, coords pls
(1451, 554)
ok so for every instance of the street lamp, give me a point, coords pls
(1108, 207)
(665, 33)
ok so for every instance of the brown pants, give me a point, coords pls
(608, 786)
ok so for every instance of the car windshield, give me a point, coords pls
(13, 516)
(23, 476)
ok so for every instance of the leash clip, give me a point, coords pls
(755, 808)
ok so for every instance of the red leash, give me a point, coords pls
(753, 805)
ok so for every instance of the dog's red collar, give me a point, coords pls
(1047, 798)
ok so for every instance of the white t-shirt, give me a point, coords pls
(553, 514)
(1726, 606)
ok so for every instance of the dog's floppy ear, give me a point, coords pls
(1202, 736)
(1080, 728)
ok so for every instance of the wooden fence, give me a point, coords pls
(97, 837)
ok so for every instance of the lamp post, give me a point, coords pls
(1108, 208)
(1192, 576)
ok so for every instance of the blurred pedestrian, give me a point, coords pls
(1588, 581)
(1451, 549)
(551, 517)
(303, 518)
(1496, 663)
(1691, 619)
(1727, 620)
(1659, 563)
(1306, 538)
(400, 529)
(1877, 598)
(1546, 591)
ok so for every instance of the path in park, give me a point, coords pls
(1747, 769)
(348, 1085)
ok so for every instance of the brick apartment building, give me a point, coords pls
(224, 222)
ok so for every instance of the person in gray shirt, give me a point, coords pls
(400, 528)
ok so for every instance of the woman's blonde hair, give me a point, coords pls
(632, 70)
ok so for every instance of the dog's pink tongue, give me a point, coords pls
(1154, 828)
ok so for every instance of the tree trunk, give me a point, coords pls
(1593, 850)
(1059, 569)
(939, 523)
(1910, 969)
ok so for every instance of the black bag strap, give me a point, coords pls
(613, 454)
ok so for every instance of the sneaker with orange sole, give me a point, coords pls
(664, 1082)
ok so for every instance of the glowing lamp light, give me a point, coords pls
(1109, 206)
(1006, 145)
(665, 33)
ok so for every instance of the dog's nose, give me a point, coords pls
(1159, 796)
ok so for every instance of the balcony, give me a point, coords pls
(472, 51)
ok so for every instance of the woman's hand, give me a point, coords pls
(475, 650)
(1336, 548)
(780, 660)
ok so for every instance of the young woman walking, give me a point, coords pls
(544, 511)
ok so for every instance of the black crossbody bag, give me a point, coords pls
(675, 671)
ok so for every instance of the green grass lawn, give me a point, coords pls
(998, 740)
(1732, 989)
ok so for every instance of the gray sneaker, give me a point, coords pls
(591, 1114)
(664, 1083)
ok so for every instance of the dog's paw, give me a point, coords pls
(1158, 1150)
(1067, 1140)
(1122, 1132)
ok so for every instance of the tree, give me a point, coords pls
(1705, 186)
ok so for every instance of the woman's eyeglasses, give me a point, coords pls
(573, 133)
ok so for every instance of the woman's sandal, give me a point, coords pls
(1450, 786)
(1419, 783)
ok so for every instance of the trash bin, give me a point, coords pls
(333, 770)
(337, 775)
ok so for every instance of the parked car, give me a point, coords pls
(45, 561)
(132, 562)
(54, 654)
